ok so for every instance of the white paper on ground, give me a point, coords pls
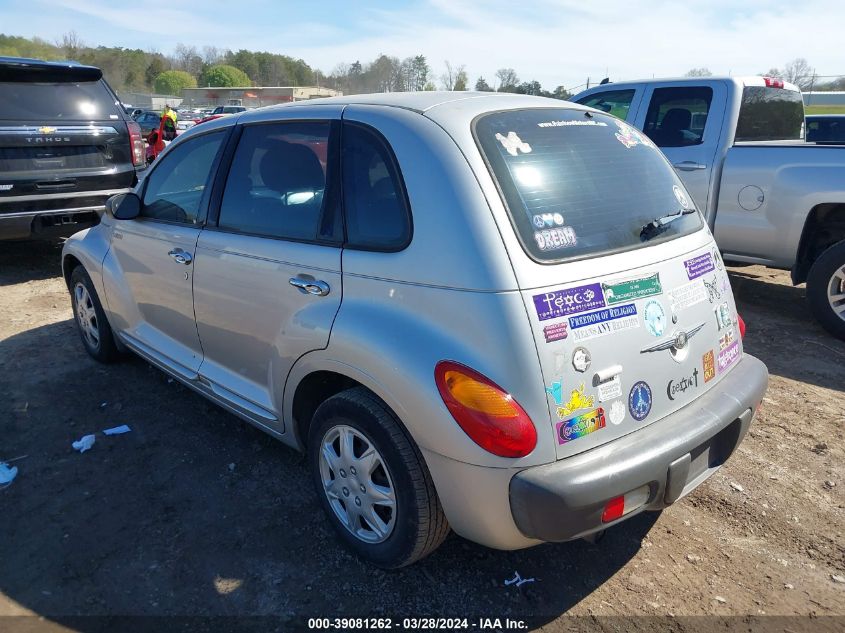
(118, 430)
(84, 443)
(7, 474)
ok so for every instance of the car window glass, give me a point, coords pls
(373, 197)
(59, 101)
(175, 187)
(276, 185)
(615, 102)
(676, 116)
(770, 114)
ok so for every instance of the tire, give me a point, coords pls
(91, 321)
(826, 289)
(415, 524)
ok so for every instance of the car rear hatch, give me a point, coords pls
(630, 306)
(63, 139)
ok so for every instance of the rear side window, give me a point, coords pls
(374, 202)
(578, 185)
(175, 188)
(57, 101)
(826, 130)
(770, 114)
(615, 102)
(277, 183)
(676, 116)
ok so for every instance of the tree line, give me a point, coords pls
(798, 72)
(136, 70)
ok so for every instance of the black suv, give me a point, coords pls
(66, 145)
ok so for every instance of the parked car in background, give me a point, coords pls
(149, 120)
(825, 128)
(212, 117)
(531, 337)
(738, 144)
(229, 109)
(66, 145)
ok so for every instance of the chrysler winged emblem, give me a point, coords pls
(678, 341)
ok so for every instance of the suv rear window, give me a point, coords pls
(580, 184)
(770, 114)
(57, 101)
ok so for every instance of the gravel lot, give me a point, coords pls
(196, 513)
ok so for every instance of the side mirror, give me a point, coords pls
(124, 206)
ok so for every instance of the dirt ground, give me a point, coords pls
(195, 513)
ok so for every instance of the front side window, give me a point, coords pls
(373, 196)
(676, 116)
(175, 188)
(277, 182)
(578, 184)
(770, 114)
(615, 102)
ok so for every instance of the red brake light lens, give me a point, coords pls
(486, 412)
(771, 82)
(614, 509)
(136, 142)
(741, 326)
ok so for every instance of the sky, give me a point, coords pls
(557, 42)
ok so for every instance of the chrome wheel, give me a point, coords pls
(357, 484)
(836, 292)
(86, 316)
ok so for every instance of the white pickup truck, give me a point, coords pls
(738, 144)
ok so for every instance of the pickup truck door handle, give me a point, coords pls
(312, 287)
(181, 256)
(689, 165)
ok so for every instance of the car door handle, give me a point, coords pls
(689, 165)
(312, 287)
(181, 256)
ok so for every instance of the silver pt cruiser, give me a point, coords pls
(497, 314)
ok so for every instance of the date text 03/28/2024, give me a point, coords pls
(416, 624)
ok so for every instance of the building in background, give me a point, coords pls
(148, 101)
(822, 98)
(252, 97)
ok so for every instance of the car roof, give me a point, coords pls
(750, 80)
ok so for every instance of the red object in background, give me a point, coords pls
(741, 325)
(155, 142)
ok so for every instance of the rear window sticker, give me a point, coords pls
(580, 426)
(558, 303)
(687, 295)
(572, 123)
(627, 135)
(617, 412)
(714, 293)
(545, 220)
(551, 239)
(717, 257)
(610, 389)
(555, 332)
(581, 359)
(655, 318)
(726, 339)
(556, 392)
(723, 316)
(709, 365)
(728, 356)
(625, 291)
(698, 266)
(675, 387)
(577, 400)
(680, 196)
(607, 321)
(639, 401)
(513, 144)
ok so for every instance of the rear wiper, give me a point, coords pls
(658, 225)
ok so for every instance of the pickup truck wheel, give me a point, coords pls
(826, 289)
(372, 481)
(91, 322)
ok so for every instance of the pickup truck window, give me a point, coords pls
(676, 116)
(615, 102)
(579, 184)
(770, 114)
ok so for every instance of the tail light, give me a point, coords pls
(485, 411)
(771, 82)
(741, 326)
(627, 503)
(137, 143)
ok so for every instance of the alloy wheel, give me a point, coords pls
(86, 316)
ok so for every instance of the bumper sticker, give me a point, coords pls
(581, 359)
(577, 400)
(580, 426)
(625, 291)
(555, 332)
(610, 390)
(687, 295)
(558, 303)
(698, 266)
(728, 356)
(556, 392)
(709, 364)
(639, 401)
(617, 412)
(655, 318)
(552, 239)
(607, 321)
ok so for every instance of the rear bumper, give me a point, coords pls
(565, 500)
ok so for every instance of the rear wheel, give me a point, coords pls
(826, 289)
(372, 481)
(91, 322)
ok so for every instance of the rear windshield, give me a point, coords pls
(578, 184)
(770, 114)
(60, 101)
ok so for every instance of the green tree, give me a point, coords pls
(224, 76)
(172, 82)
(482, 86)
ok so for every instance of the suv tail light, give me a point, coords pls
(136, 141)
(741, 325)
(485, 411)
(771, 82)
